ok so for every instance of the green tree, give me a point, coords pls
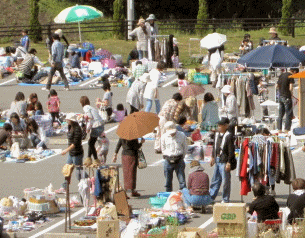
(119, 17)
(35, 27)
(286, 15)
(201, 16)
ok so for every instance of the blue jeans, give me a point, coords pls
(196, 200)
(169, 169)
(149, 105)
(76, 160)
(285, 107)
(219, 176)
(37, 142)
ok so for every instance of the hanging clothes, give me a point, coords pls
(245, 186)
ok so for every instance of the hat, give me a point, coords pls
(58, 32)
(141, 21)
(170, 127)
(224, 121)
(71, 117)
(190, 101)
(272, 30)
(145, 78)
(71, 49)
(226, 89)
(194, 163)
(151, 17)
(175, 41)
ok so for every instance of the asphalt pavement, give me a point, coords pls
(16, 177)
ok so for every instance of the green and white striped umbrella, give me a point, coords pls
(78, 14)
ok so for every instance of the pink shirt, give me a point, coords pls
(53, 104)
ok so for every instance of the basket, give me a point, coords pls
(201, 78)
(157, 202)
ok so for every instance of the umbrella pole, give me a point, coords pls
(80, 34)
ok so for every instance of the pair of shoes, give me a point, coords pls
(273, 193)
(135, 194)
(45, 89)
(158, 151)
(87, 162)
(67, 89)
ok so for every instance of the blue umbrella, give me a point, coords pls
(275, 56)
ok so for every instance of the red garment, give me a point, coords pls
(198, 183)
(88, 56)
(274, 158)
(245, 186)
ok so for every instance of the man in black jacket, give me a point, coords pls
(222, 157)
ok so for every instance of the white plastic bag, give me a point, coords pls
(132, 229)
(174, 202)
(15, 150)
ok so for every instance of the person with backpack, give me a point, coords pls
(53, 105)
(223, 157)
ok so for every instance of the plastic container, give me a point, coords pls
(201, 78)
(163, 194)
(157, 202)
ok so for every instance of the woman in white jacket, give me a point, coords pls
(151, 89)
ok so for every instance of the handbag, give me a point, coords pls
(103, 114)
(141, 160)
(67, 170)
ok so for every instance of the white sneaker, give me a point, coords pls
(45, 89)
(273, 193)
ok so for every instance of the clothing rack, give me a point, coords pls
(68, 226)
(275, 136)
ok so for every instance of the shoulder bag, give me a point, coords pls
(141, 160)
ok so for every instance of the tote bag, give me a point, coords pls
(141, 160)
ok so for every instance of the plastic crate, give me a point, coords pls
(201, 78)
(157, 202)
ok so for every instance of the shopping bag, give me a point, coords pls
(109, 210)
(141, 160)
(67, 170)
(103, 114)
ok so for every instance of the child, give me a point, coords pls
(120, 113)
(36, 135)
(103, 147)
(265, 205)
(107, 100)
(181, 80)
(53, 105)
(25, 41)
(38, 109)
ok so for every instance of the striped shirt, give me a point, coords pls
(28, 63)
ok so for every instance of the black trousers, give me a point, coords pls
(91, 147)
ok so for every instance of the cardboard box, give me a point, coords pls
(191, 232)
(108, 229)
(231, 230)
(229, 213)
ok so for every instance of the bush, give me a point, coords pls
(35, 27)
(286, 15)
(201, 16)
(118, 15)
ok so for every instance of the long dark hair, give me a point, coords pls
(19, 97)
(32, 122)
(144, 29)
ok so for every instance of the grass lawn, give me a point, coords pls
(122, 47)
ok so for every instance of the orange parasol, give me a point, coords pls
(298, 75)
(137, 125)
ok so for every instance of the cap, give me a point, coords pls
(170, 127)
